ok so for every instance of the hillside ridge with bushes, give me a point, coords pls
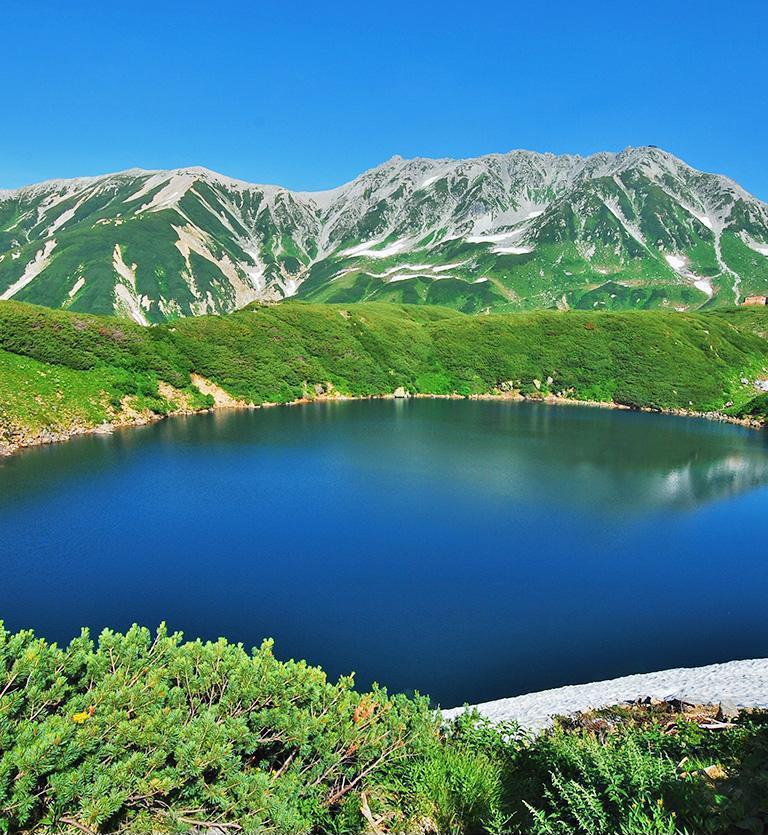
(63, 373)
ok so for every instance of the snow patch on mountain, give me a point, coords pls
(367, 250)
(512, 250)
(76, 287)
(680, 265)
(495, 238)
(32, 270)
(677, 262)
(409, 267)
(127, 299)
(446, 267)
(754, 245)
(705, 285)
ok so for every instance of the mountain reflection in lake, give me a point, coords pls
(471, 550)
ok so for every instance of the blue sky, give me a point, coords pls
(308, 95)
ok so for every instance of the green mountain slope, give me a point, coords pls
(634, 230)
(64, 372)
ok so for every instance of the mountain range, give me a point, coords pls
(521, 230)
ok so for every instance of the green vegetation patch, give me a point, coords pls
(143, 732)
(278, 353)
(35, 396)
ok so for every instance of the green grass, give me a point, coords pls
(754, 319)
(38, 396)
(278, 353)
(143, 732)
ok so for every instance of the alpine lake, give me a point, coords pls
(470, 550)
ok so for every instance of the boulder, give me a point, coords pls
(727, 711)
(684, 701)
(401, 392)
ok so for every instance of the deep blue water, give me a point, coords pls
(469, 550)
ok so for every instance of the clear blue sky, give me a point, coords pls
(309, 94)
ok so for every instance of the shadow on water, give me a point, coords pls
(471, 550)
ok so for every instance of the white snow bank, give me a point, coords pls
(700, 217)
(495, 238)
(411, 267)
(677, 262)
(366, 249)
(429, 181)
(33, 269)
(76, 287)
(445, 267)
(512, 250)
(680, 265)
(743, 682)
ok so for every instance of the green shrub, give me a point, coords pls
(458, 791)
(756, 409)
(142, 732)
(601, 788)
(459, 785)
(639, 777)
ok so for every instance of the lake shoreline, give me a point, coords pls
(50, 436)
(741, 682)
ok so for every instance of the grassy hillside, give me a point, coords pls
(145, 733)
(62, 370)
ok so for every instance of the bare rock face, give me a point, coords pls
(401, 393)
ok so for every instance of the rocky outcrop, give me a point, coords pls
(221, 398)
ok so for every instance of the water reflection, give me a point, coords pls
(620, 462)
